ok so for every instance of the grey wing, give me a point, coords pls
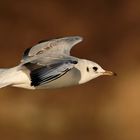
(45, 74)
(53, 49)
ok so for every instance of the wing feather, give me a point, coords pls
(46, 74)
(55, 48)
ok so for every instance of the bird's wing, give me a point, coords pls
(41, 75)
(53, 49)
(50, 60)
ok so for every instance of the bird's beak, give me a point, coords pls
(110, 73)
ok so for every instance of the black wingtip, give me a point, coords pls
(26, 53)
(42, 41)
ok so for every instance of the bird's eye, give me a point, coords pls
(95, 68)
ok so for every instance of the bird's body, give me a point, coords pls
(49, 65)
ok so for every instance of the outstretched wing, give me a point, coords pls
(42, 75)
(53, 49)
(49, 60)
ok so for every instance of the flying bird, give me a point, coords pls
(50, 65)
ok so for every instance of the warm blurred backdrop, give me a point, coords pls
(107, 108)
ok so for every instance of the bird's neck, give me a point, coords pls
(82, 67)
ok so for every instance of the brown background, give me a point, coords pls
(107, 108)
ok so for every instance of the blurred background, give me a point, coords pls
(107, 108)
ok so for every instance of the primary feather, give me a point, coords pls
(53, 49)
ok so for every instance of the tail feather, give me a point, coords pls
(2, 70)
(7, 76)
(4, 85)
(16, 77)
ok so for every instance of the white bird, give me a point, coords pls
(49, 65)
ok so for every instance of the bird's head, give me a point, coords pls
(91, 70)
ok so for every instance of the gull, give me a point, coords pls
(50, 65)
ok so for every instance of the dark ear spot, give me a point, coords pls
(87, 69)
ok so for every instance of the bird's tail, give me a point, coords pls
(7, 76)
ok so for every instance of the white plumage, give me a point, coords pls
(49, 65)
